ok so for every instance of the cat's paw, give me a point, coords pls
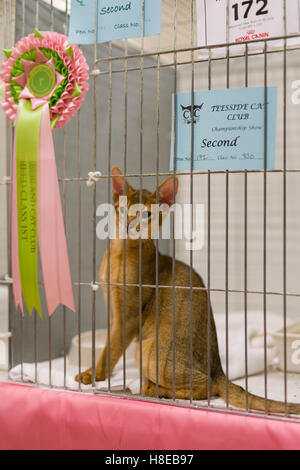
(85, 377)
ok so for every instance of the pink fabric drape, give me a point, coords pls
(33, 418)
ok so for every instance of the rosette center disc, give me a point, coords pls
(41, 80)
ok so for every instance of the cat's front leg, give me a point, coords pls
(116, 351)
(101, 366)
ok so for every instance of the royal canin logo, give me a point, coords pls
(252, 36)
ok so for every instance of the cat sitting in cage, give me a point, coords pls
(179, 357)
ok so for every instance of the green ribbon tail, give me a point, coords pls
(27, 151)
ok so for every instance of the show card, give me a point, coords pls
(229, 129)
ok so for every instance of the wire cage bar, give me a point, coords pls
(123, 71)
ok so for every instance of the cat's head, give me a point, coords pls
(140, 210)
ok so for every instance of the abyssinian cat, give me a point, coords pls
(219, 386)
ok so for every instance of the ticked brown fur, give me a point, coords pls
(177, 371)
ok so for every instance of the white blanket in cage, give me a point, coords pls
(236, 356)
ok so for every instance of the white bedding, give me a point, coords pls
(236, 362)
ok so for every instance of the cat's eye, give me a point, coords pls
(146, 214)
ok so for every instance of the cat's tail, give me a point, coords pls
(237, 397)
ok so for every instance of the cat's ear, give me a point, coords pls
(166, 191)
(118, 183)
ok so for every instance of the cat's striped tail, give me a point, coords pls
(237, 397)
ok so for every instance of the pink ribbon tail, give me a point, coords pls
(17, 289)
(51, 229)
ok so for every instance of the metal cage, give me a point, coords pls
(250, 258)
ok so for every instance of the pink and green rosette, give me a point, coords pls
(43, 84)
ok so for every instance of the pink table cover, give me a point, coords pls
(36, 418)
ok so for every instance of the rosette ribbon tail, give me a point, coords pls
(17, 288)
(37, 215)
(51, 228)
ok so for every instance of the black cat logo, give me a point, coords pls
(187, 113)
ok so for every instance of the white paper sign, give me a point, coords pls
(247, 20)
